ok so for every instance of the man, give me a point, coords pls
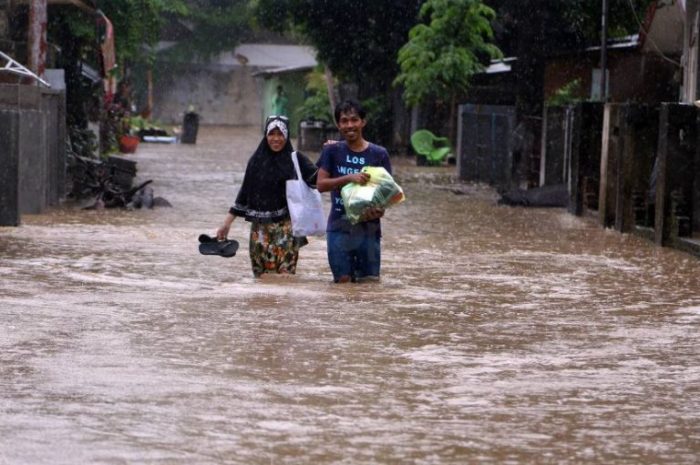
(353, 250)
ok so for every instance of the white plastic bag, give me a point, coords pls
(381, 191)
(305, 206)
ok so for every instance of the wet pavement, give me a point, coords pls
(497, 335)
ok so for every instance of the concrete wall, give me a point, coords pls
(33, 159)
(226, 96)
(33, 162)
(4, 21)
(9, 168)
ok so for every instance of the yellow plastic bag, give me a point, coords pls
(381, 191)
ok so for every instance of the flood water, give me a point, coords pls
(497, 335)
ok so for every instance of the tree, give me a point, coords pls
(353, 37)
(357, 39)
(137, 23)
(442, 55)
(206, 27)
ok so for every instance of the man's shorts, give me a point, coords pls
(356, 254)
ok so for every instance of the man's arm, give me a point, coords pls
(325, 183)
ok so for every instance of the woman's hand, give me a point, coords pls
(222, 232)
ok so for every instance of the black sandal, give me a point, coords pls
(212, 246)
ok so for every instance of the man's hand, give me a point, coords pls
(358, 178)
(372, 213)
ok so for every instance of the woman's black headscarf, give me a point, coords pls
(262, 196)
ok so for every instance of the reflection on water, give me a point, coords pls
(497, 335)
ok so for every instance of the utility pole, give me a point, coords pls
(330, 88)
(691, 54)
(604, 51)
(36, 37)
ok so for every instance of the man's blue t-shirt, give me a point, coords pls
(338, 160)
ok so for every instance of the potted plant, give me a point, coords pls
(129, 140)
(128, 143)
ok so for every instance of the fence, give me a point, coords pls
(637, 165)
(648, 168)
(485, 145)
(571, 147)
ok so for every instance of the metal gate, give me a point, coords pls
(484, 143)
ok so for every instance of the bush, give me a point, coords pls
(566, 94)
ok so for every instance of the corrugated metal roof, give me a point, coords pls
(287, 69)
(270, 56)
(500, 66)
(262, 58)
(614, 43)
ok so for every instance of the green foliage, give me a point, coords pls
(442, 55)
(137, 23)
(553, 25)
(357, 39)
(567, 94)
(379, 118)
(82, 142)
(214, 25)
(624, 17)
(316, 106)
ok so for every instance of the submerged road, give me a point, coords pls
(497, 335)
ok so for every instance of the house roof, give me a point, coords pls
(502, 65)
(270, 57)
(262, 58)
(617, 43)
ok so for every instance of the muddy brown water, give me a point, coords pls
(497, 335)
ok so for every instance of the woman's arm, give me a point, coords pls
(309, 171)
(222, 232)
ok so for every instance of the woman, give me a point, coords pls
(262, 201)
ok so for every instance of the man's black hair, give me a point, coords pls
(349, 105)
